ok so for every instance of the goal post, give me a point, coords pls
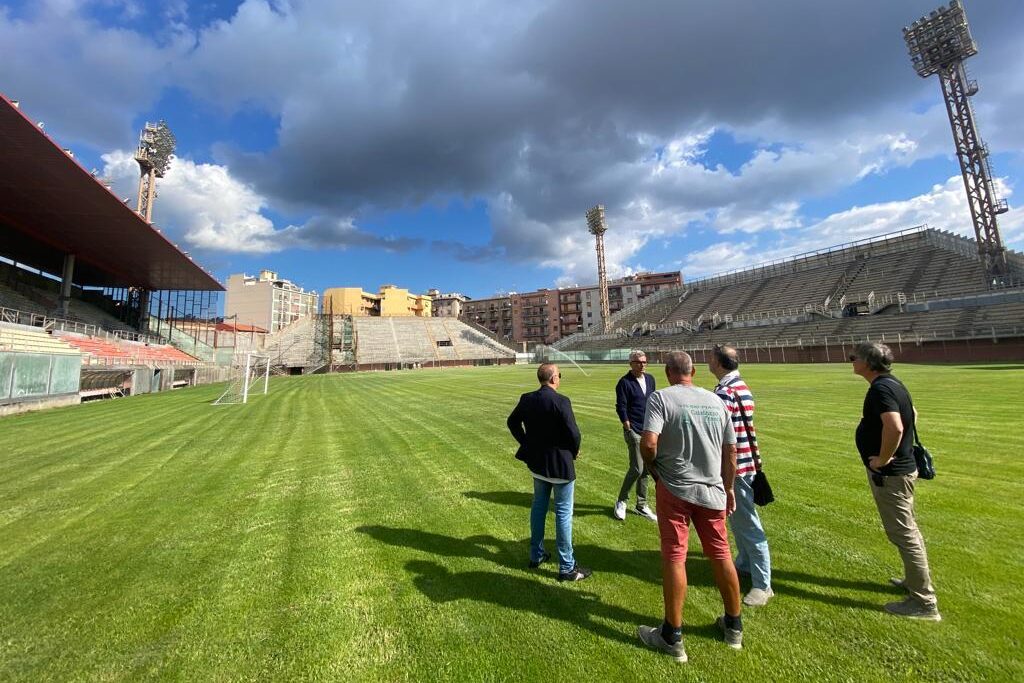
(253, 377)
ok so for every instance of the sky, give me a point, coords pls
(458, 144)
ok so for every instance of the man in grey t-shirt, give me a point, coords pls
(689, 446)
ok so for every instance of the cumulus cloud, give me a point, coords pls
(538, 108)
(944, 207)
(209, 209)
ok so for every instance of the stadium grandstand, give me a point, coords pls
(922, 290)
(93, 299)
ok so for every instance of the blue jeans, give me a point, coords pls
(751, 543)
(563, 521)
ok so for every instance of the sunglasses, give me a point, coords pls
(853, 357)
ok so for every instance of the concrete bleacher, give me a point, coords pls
(32, 300)
(804, 298)
(113, 351)
(29, 340)
(296, 345)
(977, 321)
(422, 341)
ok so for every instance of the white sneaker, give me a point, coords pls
(620, 510)
(648, 513)
(758, 597)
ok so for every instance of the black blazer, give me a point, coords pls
(545, 427)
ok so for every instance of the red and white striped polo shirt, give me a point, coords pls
(736, 395)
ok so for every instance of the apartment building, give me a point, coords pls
(389, 301)
(494, 313)
(547, 315)
(267, 301)
(449, 305)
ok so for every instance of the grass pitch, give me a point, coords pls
(373, 527)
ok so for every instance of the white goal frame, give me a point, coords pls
(257, 367)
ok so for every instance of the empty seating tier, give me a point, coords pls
(422, 341)
(30, 340)
(810, 297)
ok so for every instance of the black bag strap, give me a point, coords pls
(917, 439)
(751, 437)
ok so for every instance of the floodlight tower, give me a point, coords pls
(939, 43)
(156, 149)
(597, 227)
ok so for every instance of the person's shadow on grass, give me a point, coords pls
(523, 499)
(644, 565)
(567, 603)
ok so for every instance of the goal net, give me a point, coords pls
(253, 378)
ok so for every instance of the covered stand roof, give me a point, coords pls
(50, 206)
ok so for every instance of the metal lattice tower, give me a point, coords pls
(156, 149)
(939, 43)
(597, 226)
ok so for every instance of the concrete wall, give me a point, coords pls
(252, 303)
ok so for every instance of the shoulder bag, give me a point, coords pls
(923, 459)
(763, 494)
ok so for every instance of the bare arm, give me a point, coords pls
(648, 451)
(729, 476)
(892, 433)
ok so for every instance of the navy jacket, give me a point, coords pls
(631, 401)
(545, 427)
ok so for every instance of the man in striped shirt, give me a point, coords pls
(753, 556)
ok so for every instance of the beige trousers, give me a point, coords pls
(895, 502)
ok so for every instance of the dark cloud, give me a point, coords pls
(321, 232)
(559, 104)
(544, 108)
(470, 253)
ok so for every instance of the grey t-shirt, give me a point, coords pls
(692, 424)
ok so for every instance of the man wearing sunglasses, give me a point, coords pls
(630, 403)
(549, 441)
(885, 439)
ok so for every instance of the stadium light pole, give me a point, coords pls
(938, 44)
(597, 226)
(154, 155)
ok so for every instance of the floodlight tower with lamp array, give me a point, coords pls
(597, 226)
(156, 149)
(938, 44)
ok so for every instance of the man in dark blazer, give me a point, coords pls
(549, 442)
(631, 394)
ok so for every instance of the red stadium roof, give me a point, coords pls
(50, 206)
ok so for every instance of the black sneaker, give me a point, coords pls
(543, 558)
(577, 573)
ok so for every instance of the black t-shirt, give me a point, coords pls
(887, 395)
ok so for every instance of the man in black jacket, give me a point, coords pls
(549, 442)
(630, 403)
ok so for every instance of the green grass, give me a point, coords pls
(373, 527)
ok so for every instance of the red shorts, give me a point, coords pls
(674, 516)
